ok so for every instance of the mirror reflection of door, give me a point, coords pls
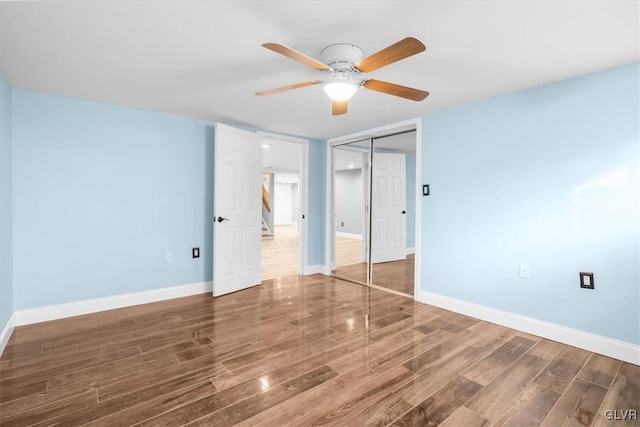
(388, 216)
(350, 192)
(393, 212)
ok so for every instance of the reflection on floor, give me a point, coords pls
(280, 259)
(395, 275)
(280, 253)
(302, 351)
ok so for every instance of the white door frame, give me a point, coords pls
(303, 195)
(416, 124)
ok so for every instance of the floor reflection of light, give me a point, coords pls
(350, 322)
(264, 382)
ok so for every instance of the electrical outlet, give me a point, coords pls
(525, 271)
(586, 280)
(195, 252)
(169, 256)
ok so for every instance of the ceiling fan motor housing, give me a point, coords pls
(341, 56)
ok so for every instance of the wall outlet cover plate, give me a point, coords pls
(586, 280)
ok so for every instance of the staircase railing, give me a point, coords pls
(266, 209)
(265, 199)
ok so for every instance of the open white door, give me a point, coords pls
(236, 206)
(388, 212)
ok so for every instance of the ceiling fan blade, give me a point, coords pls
(394, 53)
(296, 56)
(396, 90)
(338, 107)
(285, 88)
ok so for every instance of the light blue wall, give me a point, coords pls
(547, 177)
(411, 199)
(6, 204)
(317, 201)
(101, 193)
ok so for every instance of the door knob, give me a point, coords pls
(404, 212)
(220, 219)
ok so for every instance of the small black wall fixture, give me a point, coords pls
(586, 280)
(425, 190)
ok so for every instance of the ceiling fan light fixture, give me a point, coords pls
(341, 90)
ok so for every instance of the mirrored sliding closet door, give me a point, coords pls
(374, 197)
(393, 212)
(350, 211)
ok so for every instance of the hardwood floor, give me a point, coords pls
(280, 253)
(348, 251)
(396, 275)
(302, 351)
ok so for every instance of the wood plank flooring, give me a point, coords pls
(394, 275)
(348, 251)
(280, 253)
(302, 351)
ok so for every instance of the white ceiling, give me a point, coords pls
(203, 59)
(281, 156)
(344, 158)
(286, 178)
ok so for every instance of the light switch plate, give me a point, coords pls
(525, 271)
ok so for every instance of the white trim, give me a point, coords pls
(328, 213)
(313, 269)
(411, 250)
(418, 205)
(596, 343)
(377, 131)
(303, 240)
(349, 235)
(281, 137)
(6, 332)
(53, 312)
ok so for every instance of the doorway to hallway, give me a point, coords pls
(284, 193)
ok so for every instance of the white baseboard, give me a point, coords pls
(411, 250)
(596, 343)
(312, 269)
(326, 270)
(53, 312)
(349, 235)
(6, 332)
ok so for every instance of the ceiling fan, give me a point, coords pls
(347, 71)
